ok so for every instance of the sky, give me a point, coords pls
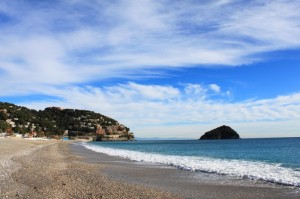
(163, 68)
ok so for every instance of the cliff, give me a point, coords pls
(222, 132)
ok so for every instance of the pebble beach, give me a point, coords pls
(62, 169)
(46, 169)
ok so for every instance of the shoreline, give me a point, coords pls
(185, 183)
(61, 169)
(51, 170)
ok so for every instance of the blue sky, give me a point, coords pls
(163, 68)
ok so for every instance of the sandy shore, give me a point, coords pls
(47, 169)
(57, 169)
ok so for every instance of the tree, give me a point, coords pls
(20, 130)
(3, 126)
(3, 116)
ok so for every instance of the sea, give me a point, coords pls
(274, 160)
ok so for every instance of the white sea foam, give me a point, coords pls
(246, 169)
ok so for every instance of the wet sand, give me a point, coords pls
(187, 184)
(59, 169)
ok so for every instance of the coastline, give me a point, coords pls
(184, 183)
(60, 169)
(51, 170)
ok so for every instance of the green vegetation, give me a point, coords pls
(3, 126)
(56, 121)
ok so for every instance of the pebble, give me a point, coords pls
(78, 179)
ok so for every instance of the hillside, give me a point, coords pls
(56, 121)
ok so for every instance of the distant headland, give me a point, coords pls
(222, 132)
(60, 123)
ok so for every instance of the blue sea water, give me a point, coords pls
(274, 160)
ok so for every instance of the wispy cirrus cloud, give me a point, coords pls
(68, 42)
(58, 48)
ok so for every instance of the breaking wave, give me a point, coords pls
(274, 173)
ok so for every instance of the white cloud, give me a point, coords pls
(81, 41)
(56, 48)
(194, 89)
(175, 107)
(215, 88)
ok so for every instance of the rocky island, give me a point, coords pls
(222, 132)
